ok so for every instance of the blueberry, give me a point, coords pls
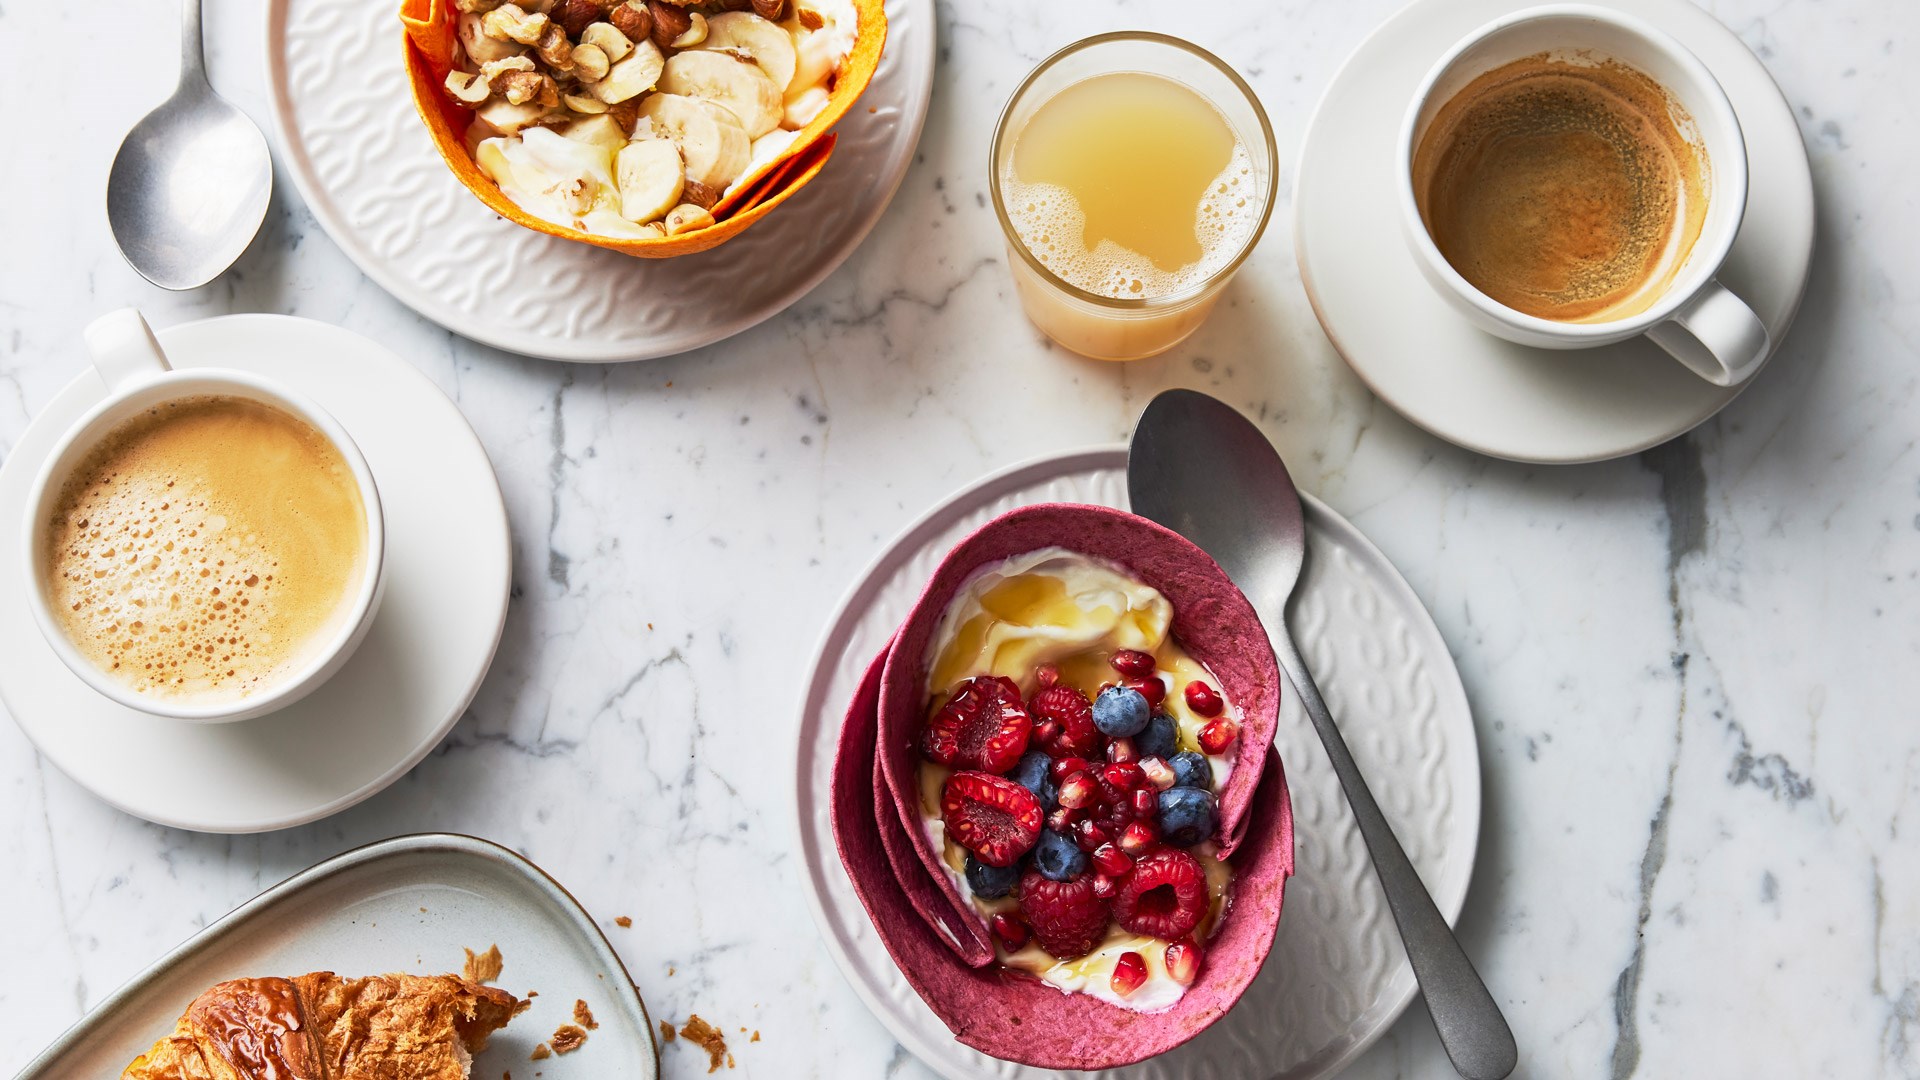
(1191, 770)
(1121, 712)
(1031, 772)
(990, 882)
(1058, 857)
(1187, 815)
(1160, 739)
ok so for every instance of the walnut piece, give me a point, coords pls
(510, 22)
(475, 7)
(555, 49)
(521, 87)
(496, 71)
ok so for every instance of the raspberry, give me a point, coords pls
(1203, 699)
(1129, 974)
(1218, 735)
(1183, 961)
(1067, 918)
(982, 726)
(1072, 716)
(1132, 663)
(1165, 896)
(996, 819)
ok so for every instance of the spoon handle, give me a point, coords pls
(1471, 1028)
(193, 56)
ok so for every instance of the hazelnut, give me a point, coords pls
(686, 218)
(467, 87)
(574, 16)
(522, 87)
(633, 19)
(584, 104)
(589, 63)
(700, 195)
(669, 22)
(609, 40)
(626, 114)
(696, 32)
(770, 9)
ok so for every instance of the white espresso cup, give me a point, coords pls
(138, 377)
(1696, 319)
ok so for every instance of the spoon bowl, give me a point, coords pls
(190, 184)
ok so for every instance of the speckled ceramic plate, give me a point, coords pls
(1337, 977)
(408, 904)
(367, 169)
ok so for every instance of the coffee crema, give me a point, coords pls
(206, 549)
(1564, 190)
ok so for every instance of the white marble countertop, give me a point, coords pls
(1693, 671)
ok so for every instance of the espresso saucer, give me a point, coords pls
(1469, 387)
(447, 568)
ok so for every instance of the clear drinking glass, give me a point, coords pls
(1102, 327)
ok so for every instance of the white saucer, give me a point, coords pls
(1337, 977)
(448, 571)
(367, 169)
(1474, 389)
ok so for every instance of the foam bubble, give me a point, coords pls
(1049, 221)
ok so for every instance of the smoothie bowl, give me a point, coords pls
(652, 127)
(1080, 836)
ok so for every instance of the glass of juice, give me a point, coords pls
(1132, 174)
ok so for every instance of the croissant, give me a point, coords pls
(323, 1027)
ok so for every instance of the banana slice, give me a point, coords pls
(650, 176)
(601, 130)
(631, 77)
(728, 80)
(767, 43)
(712, 144)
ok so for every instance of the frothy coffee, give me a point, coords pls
(1565, 190)
(206, 549)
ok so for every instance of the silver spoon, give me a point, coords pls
(190, 184)
(1201, 469)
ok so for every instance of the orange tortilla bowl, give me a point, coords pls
(430, 47)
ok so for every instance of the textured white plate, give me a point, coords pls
(1337, 977)
(1474, 389)
(448, 570)
(408, 904)
(368, 170)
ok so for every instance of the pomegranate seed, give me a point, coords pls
(1046, 675)
(1152, 689)
(1218, 735)
(1158, 772)
(1183, 961)
(1132, 663)
(1013, 933)
(1077, 791)
(1203, 699)
(1129, 974)
(1062, 820)
(1089, 835)
(1125, 775)
(1111, 861)
(1145, 802)
(1138, 838)
(1120, 751)
(1045, 732)
(1105, 887)
(1067, 766)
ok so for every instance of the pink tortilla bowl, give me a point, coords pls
(1018, 1018)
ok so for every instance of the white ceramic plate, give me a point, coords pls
(448, 569)
(409, 904)
(367, 169)
(1337, 977)
(1469, 387)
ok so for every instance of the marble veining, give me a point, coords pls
(1692, 671)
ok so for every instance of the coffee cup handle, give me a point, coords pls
(1716, 335)
(124, 349)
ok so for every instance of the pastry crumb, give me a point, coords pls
(667, 1034)
(583, 1015)
(541, 1053)
(567, 1038)
(756, 1035)
(484, 967)
(622, 921)
(710, 1039)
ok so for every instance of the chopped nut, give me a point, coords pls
(521, 87)
(590, 63)
(631, 77)
(496, 71)
(468, 87)
(669, 22)
(509, 22)
(701, 195)
(555, 49)
(608, 39)
(696, 32)
(478, 46)
(475, 7)
(770, 9)
(585, 104)
(632, 19)
(687, 218)
(808, 17)
(575, 16)
(626, 114)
